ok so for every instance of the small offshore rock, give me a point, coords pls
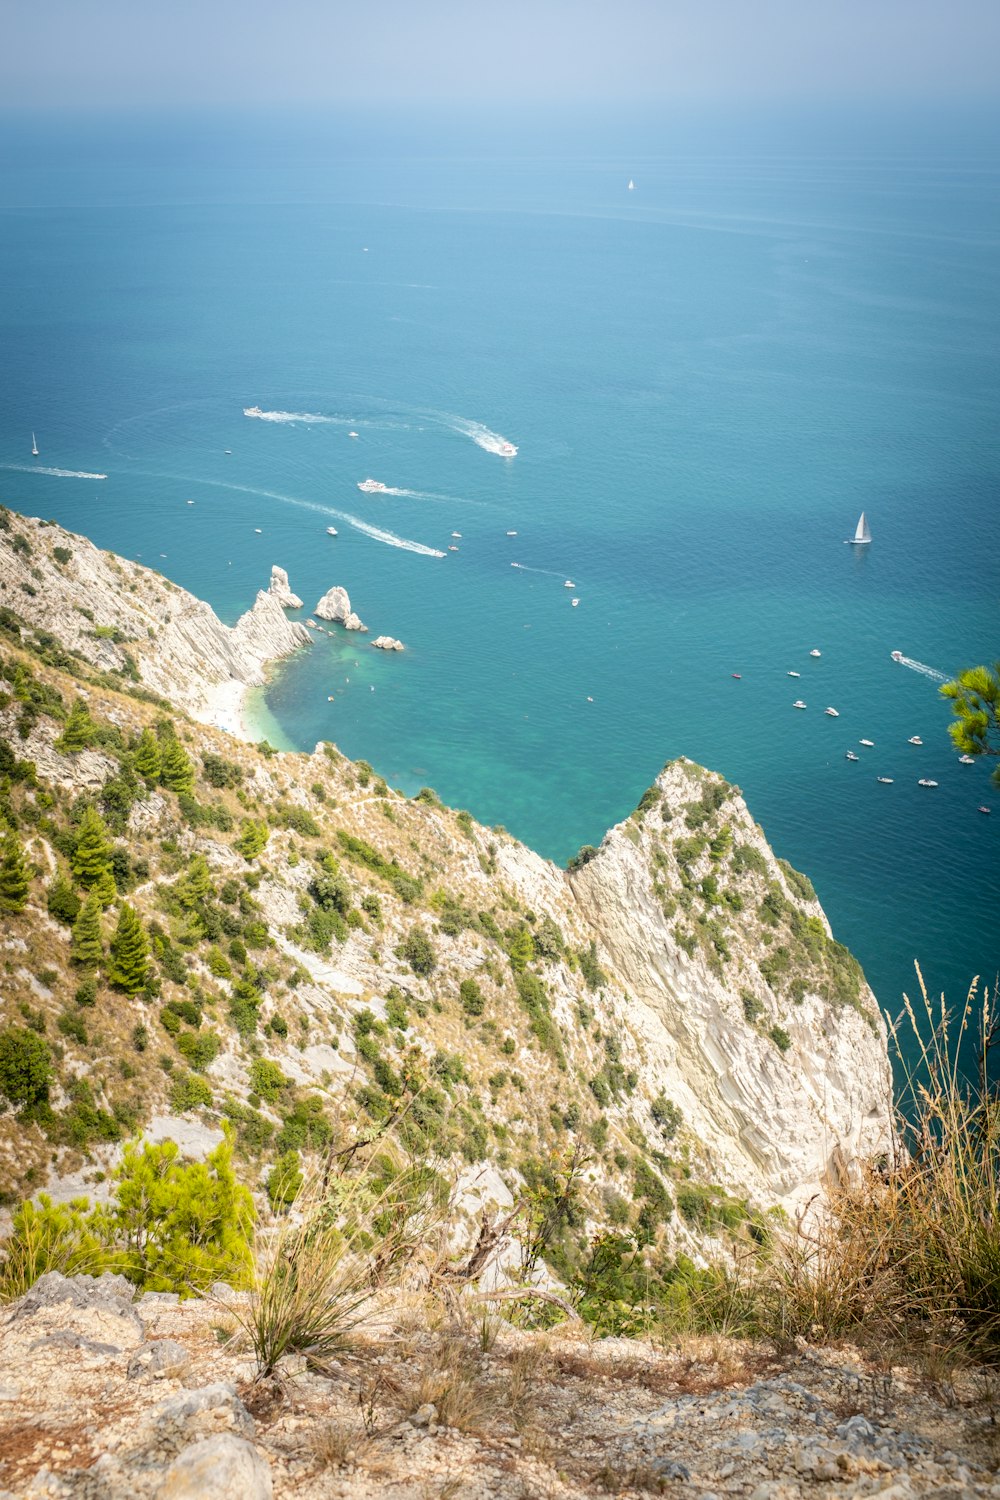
(279, 587)
(159, 1358)
(387, 643)
(336, 605)
(222, 1467)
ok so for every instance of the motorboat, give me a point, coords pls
(862, 534)
(914, 740)
(352, 434)
(507, 450)
(188, 502)
(457, 535)
(885, 780)
(34, 446)
(574, 602)
(896, 655)
(372, 487)
(851, 756)
(252, 411)
(569, 584)
(832, 712)
(814, 652)
(331, 531)
(870, 743)
(926, 781)
(512, 533)
(258, 530)
(453, 548)
(737, 675)
(798, 703)
(982, 809)
(794, 674)
(967, 760)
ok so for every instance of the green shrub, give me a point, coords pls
(25, 1067)
(418, 951)
(753, 1008)
(284, 1181)
(267, 1079)
(472, 999)
(189, 1092)
(666, 1115)
(779, 1036)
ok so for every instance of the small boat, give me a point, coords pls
(228, 450)
(258, 531)
(737, 675)
(869, 743)
(926, 781)
(457, 535)
(252, 411)
(832, 712)
(453, 548)
(372, 487)
(569, 584)
(34, 446)
(590, 700)
(914, 740)
(798, 703)
(896, 655)
(512, 533)
(515, 565)
(574, 602)
(794, 674)
(329, 697)
(851, 756)
(331, 531)
(507, 450)
(631, 186)
(982, 809)
(967, 760)
(862, 534)
(352, 434)
(814, 652)
(885, 780)
(188, 502)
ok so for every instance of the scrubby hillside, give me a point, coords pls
(198, 931)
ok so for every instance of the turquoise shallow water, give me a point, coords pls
(707, 380)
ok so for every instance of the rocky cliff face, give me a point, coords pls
(124, 618)
(674, 1011)
(756, 1022)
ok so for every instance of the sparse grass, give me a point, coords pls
(451, 1379)
(338, 1444)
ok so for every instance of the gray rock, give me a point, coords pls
(424, 1415)
(336, 605)
(217, 1468)
(65, 1338)
(151, 1300)
(108, 1293)
(857, 1430)
(671, 1468)
(212, 1407)
(159, 1358)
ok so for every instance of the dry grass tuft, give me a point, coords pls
(339, 1444)
(451, 1379)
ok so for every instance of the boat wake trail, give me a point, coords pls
(53, 473)
(527, 568)
(480, 434)
(376, 533)
(923, 669)
(289, 416)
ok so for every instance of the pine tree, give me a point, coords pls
(63, 902)
(87, 950)
(177, 771)
(129, 953)
(148, 761)
(196, 883)
(92, 855)
(79, 731)
(14, 879)
(104, 888)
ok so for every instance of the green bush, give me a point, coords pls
(267, 1079)
(472, 999)
(780, 1037)
(418, 951)
(25, 1066)
(189, 1092)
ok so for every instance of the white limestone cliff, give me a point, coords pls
(336, 605)
(387, 643)
(280, 588)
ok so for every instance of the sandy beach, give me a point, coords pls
(226, 709)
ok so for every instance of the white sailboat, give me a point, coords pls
(34, 446)
(862, 535)
(631, 186)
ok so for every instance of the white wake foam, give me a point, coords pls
(480, 434)
(547, 572)
(287, 416)
(923, 669)
(54, 473)
(376, 533)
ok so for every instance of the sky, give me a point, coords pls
(99, 54)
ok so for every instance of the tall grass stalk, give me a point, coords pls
(909, 1253)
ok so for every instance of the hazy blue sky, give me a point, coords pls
(132, 52)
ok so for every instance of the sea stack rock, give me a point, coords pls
(387, 643)
(335, 605)
(281, 591)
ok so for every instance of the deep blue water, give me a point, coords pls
(707, 380)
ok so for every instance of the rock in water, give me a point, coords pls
(336, 605)
(387, 643)
(280, 589)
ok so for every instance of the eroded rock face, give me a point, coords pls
(336, 605)
(136, 621)
(281, 590)
(718, 1001)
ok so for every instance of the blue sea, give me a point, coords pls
(706, 378)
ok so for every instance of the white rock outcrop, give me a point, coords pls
(387, 643)
(336, 605)
(136, 621)
(280, 588)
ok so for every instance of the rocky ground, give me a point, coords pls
(105, 1399)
